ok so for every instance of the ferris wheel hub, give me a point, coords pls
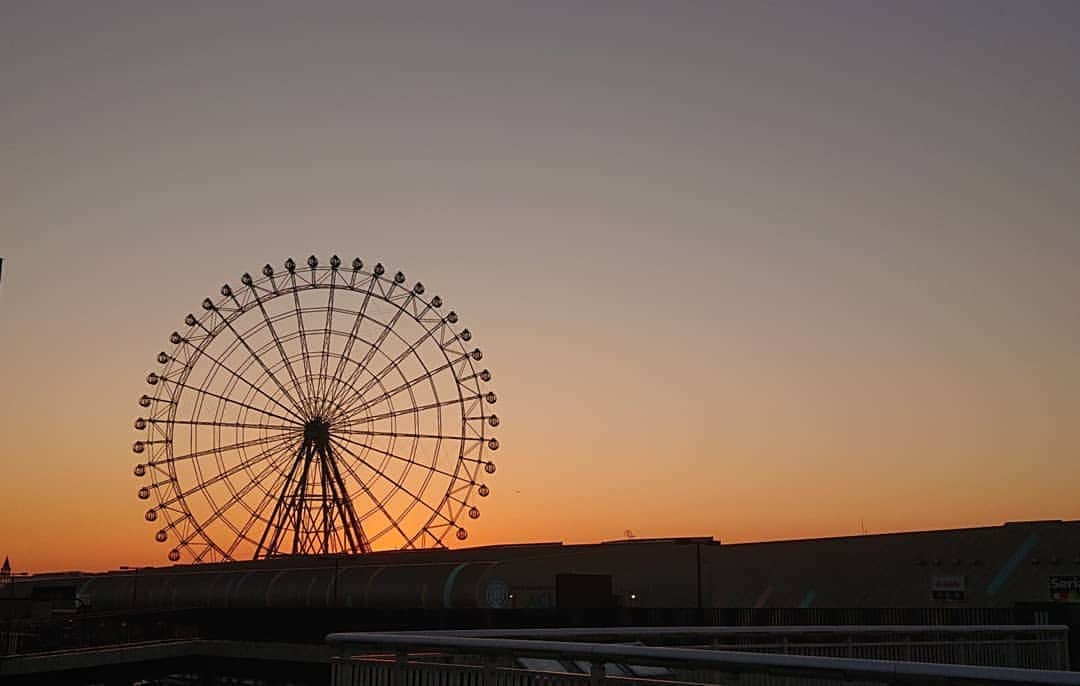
(317, 431)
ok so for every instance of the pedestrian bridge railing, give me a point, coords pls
(495, 659)
(995, 645)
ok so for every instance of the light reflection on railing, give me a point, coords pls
(490, 661)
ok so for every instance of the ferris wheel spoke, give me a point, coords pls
(436, 539)
(356, 409)
(281, 349)
(238, 425)
(328, 327)
(389, 479)
(372, 351)
(339, 368)
(232, 372)
(303, 339)
(218, 449)
(225, 474)
(264, 502)
(431, 468)
(343, 406)
(203, 391)
(255, 356)
(400, 434)
(239, 495)
(417, 409)
(409, 350)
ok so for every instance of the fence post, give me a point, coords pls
(401, 666)
(1063, 650)
(338, 664)
(596, 673)
(488, 675)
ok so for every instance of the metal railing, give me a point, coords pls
(997, 645)
(445, 659)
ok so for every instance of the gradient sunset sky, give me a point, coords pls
(754, 270)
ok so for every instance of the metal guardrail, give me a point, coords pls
(1000, 645)
(607, 633)
(497, 656)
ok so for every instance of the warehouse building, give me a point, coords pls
(986, 567)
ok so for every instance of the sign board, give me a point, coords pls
(1064, 589)
(497, 595)
(948, 588)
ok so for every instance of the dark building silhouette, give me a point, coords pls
(986, 567)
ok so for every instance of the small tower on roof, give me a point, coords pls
(5, 570)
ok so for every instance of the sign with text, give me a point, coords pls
(1064, 589)
(948, 588)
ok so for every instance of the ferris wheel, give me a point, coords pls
(317, 410)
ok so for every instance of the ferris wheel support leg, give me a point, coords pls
(358, 542)
(272, 529)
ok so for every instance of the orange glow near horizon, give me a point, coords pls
(737, 501)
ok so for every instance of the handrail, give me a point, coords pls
(698, 631)
(697, 658)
